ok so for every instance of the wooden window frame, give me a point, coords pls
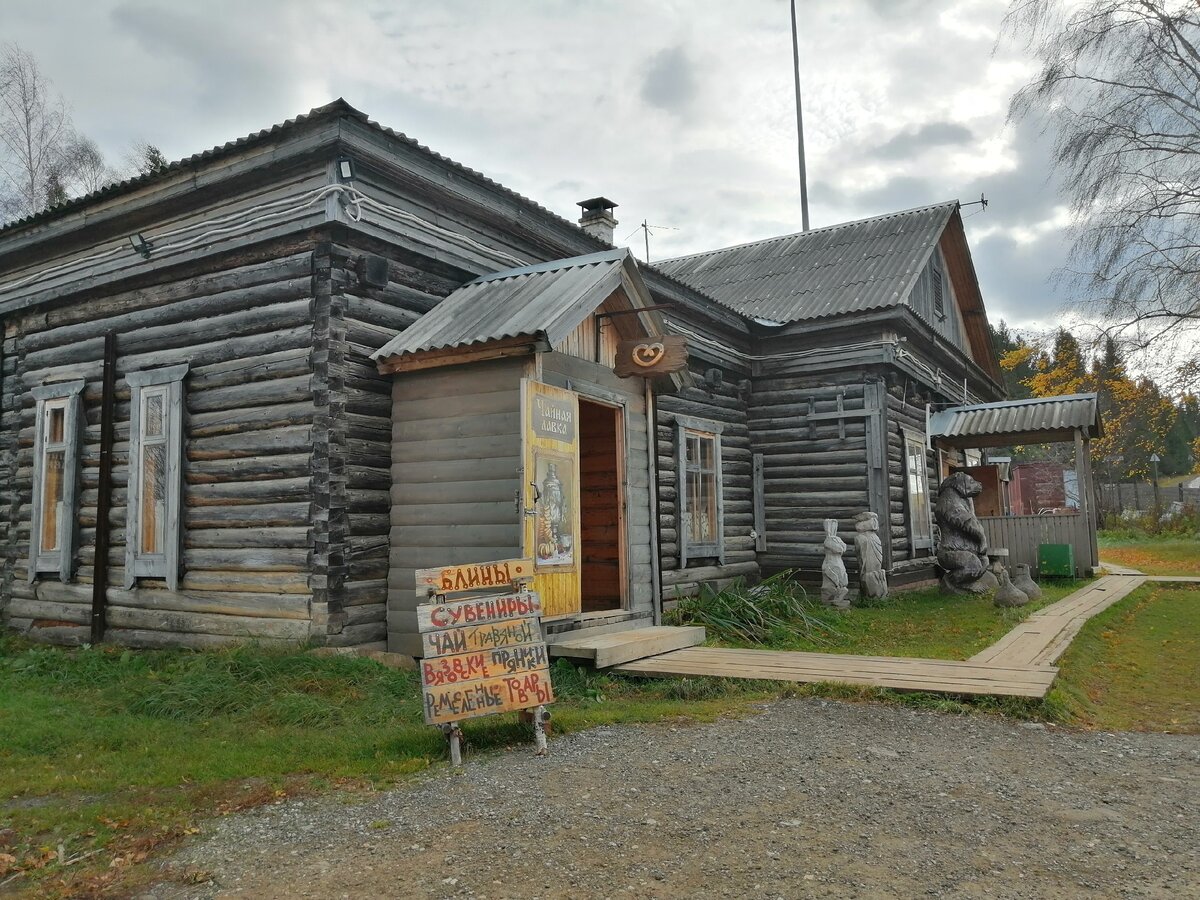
(708, 430)
(915, 541)
(164, 565)
(67, 396)
(937, 286)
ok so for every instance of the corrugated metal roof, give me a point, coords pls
(338, 107)
(1020, 420)
(545, 300)
(852, 267)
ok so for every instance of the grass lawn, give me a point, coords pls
(921, 623)
(1136, 666)
(1154, 555)
(117, 753)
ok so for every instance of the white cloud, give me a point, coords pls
(682, 112)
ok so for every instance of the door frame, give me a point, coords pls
(621, 410)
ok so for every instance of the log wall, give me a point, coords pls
(726, 403)
(812, 470)
(246, 328)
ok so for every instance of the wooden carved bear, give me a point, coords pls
(962, 547)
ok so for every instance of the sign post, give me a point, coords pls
(482, 653)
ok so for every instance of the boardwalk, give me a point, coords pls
(1021, 664)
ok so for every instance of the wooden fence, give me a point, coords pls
(1139, 496)
(1022, 535)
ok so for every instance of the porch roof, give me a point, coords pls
(1036, 421)
(542, 302)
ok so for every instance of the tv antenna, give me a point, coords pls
(647, 229)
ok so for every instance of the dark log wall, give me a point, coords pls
(362, 319)
(812, 471)
(725, 404)
(246, 328)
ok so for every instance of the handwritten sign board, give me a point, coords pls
(650, 357)
(483, 654)
(475, 576)
(477, 611)
(487, 697)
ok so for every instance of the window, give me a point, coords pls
(55, 475)
(920, 523)
(700, 504)
(152, 533)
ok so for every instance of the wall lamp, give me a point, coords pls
(140, 245)
(345, 169)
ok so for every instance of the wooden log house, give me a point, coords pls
(245, 396)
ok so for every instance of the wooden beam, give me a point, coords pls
(432, 359)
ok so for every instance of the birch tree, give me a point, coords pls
(43, 161)
(1118, 87)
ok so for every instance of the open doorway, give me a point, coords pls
(602, 581)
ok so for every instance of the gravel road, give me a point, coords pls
(807, 798)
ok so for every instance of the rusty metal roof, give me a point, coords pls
(545, 301)
(1042, 419)
(852, 267)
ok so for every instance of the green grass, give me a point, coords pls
(1136, 666)
(921, 623)
(121, 751)
(1168, 554)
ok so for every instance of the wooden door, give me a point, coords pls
(551, 492)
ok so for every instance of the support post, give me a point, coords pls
(108, 402)
(541, 716)
(454, 734)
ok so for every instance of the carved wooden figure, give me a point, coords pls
(871, 577)
(962, 549)
(1007, 594)
(1024, 583)
(835, 590)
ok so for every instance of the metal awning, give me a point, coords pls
(1041, 420)
(541, 302)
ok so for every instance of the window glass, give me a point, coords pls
(55, 424)
(154, 494)
(700, 526)
(52, 497)
(918, 490)
(152, 414)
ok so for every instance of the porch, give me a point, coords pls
(1071, 419)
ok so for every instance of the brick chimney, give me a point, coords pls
(597, 219)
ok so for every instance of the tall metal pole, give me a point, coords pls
(799, 124)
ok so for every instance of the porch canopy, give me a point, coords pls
(527, 309)
(1071, 418)
(1042, 420)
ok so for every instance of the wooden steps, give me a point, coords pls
(606, 650)
(943, 676)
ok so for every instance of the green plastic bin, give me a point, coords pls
(1056, 560)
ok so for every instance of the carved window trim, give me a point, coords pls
(707, 432)
(168, 384)
(67, 397)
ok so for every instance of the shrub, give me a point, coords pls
(774, 609)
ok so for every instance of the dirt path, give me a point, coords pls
(808, 798)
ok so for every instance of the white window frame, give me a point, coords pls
(924, 539)
(67, 397)
(168, 382)
(706, 430)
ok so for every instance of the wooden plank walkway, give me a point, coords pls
(1021, 664)
(906, 674)
(1042, 638)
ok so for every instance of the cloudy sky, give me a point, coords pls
(682, 112)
